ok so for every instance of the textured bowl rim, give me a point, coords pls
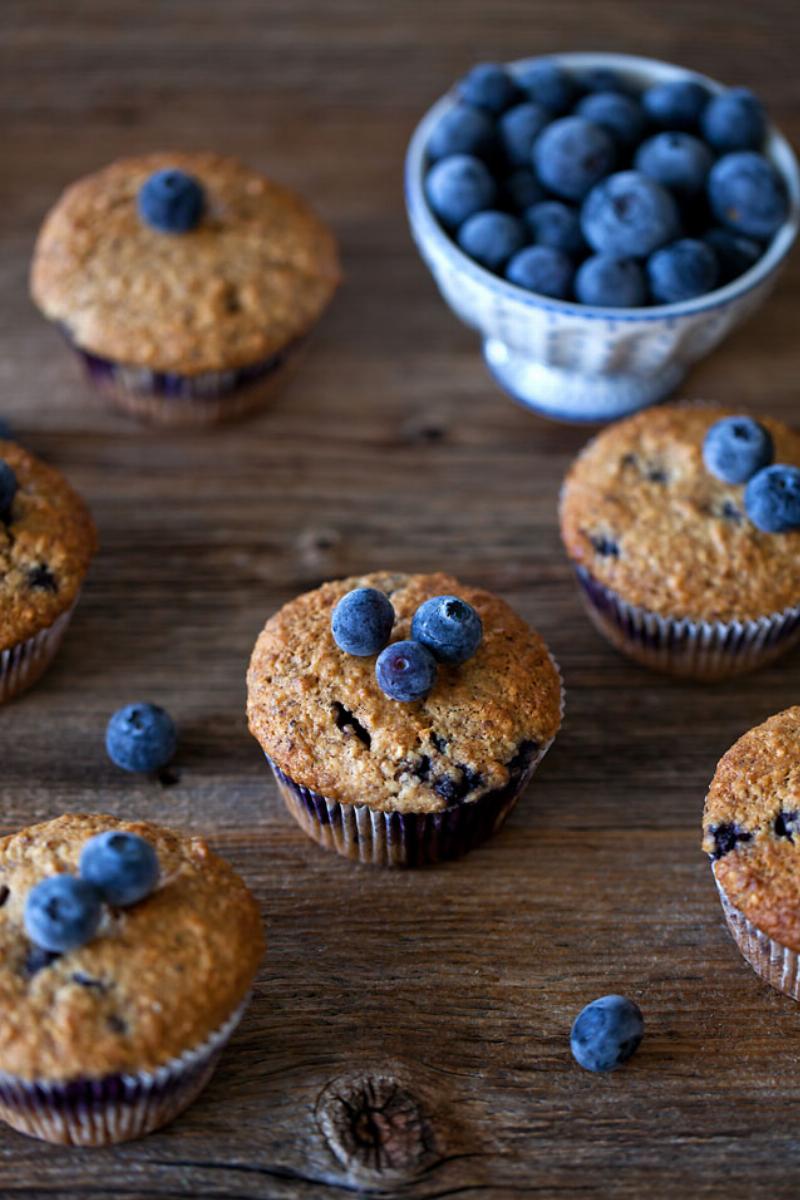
(646, 70)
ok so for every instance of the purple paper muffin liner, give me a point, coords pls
(169, 398)
(21, 665)
(116, 1107)
(393, 839)
(703, 650)
(776, 964)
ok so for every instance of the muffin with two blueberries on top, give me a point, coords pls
(185, 282)
(47, 541)
(402, 715)
(683, 526)
(127, 952)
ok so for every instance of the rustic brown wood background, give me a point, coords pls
(392, 447)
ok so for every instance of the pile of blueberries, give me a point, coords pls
(581, 188)
(444, 629)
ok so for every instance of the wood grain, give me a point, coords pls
(392, 448)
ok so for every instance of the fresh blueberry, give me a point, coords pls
(548, 84)
(735, 254)
(606, 1033)
(171, 201)
(462, 130)
(488, 86)
(406, 671)
(747, 194)
(558, 225)
(141, 737)
(123, 867)
(457, 187)
(734, 120)
(681, 271)
(611, 282)
(772, 499)
(361, 622)
(523, 189)
(572, 155)
(491, 238)
(629, 216)
(675, 160)
(603, 79)
(62, 913)
(675, 105)
(519, 129)
(449, 627)
(8, 490)
(736, 447)
(542, 269)
(619, 115)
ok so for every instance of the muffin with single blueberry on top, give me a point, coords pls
(186, 283)
(402, 715)
(751, 833)
(47, 540)
(127, 952)
(683, 525)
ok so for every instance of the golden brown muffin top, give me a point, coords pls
(642, 514)
(157, 979)
(751, 826)
(320, 715)
(255, 274)
(45, 549)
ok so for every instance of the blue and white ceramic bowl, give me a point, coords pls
(570, 361)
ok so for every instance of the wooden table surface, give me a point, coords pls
(433, 1008)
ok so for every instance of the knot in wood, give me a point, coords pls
(374, 1126)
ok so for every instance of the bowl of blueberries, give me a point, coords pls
(603, 221)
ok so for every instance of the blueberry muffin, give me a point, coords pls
(185, 282)
(396, 749)
(683, 526)
(47, 540)
(127, 952)
(751, 825)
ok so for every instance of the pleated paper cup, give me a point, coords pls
(170, 399)
(21, 665)
(776, 964)
(112, 1108)
(702, 650)
(394, 839)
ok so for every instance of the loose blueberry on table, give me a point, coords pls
(606, 1033)
(141, 738)
(671, 179)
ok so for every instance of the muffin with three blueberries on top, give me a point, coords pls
(402, 715)
(683, 526)
(185, 282)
